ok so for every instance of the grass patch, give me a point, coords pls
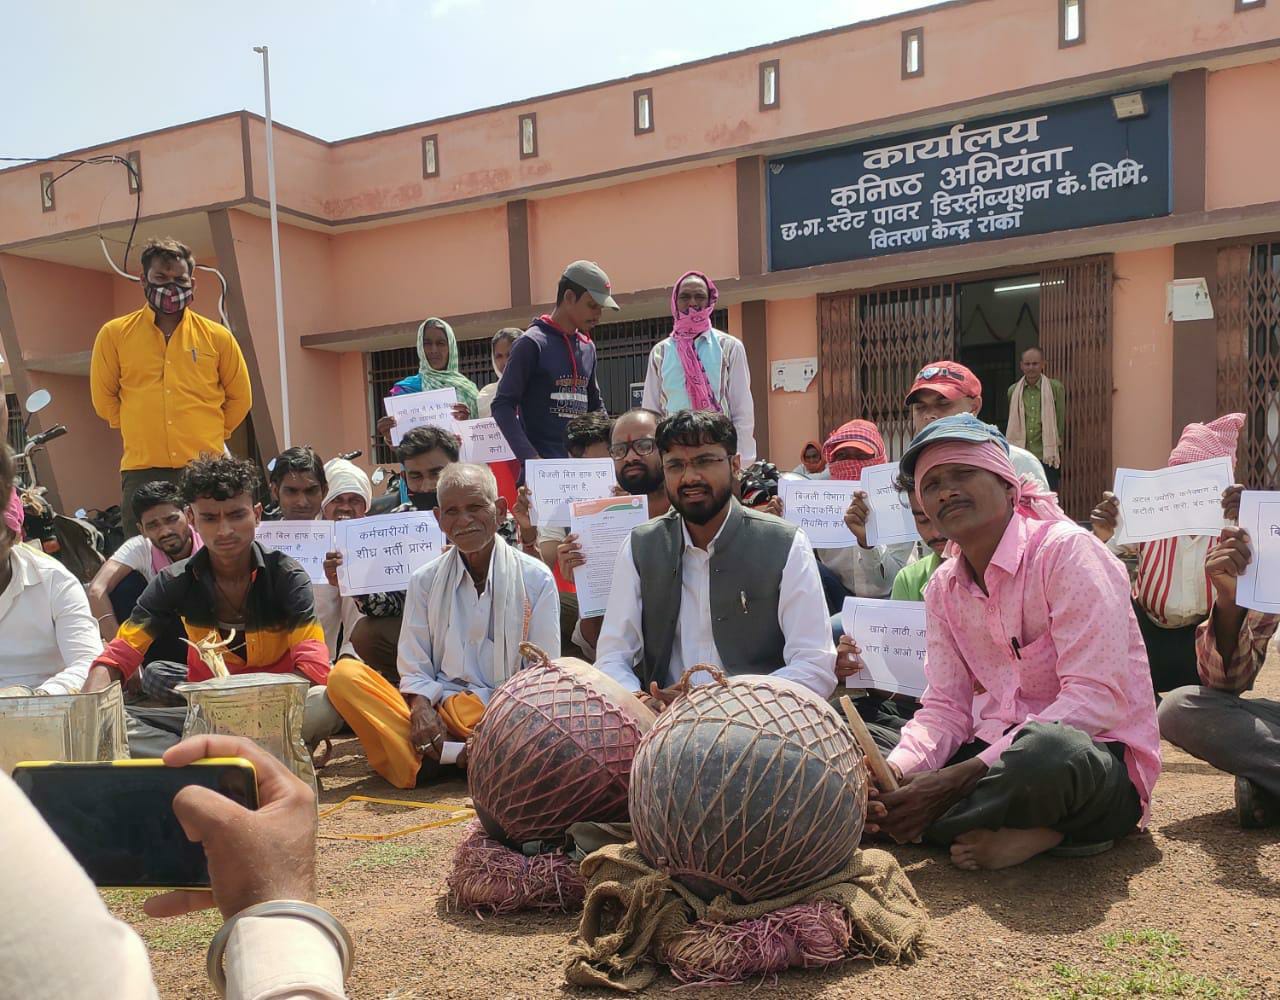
(1142, 963)
(192, 932)
(387, 856)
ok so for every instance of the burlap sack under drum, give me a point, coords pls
(750, 786)
(554, 748)
(266, 708)
(63, 727)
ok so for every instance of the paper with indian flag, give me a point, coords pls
(602, 526)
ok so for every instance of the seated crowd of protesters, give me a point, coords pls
(1040, 725)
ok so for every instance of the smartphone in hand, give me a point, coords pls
(116, 817)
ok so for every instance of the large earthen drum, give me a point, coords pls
(750, 786)
(554, 748)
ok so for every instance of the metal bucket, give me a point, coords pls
(63, 727)
(266, 708)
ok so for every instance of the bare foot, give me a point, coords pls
(992, 849)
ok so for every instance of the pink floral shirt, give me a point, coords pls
(1078, 659)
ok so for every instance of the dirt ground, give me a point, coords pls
(1189, 909)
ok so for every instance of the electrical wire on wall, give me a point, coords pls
(135, 180)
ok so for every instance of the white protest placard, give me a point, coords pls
(306, 541)
(557, 482)
(1181, 500)
(450, 752)
(1259, 587)
(891, 521)
(792, 374)
(891, 637)
(483, 442)
(421, 409)
(379, 554)
(816, 507)
(601, 526)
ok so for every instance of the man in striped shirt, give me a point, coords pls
(1211, 720)
(1171, 593)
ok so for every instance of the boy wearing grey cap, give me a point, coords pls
(551, 375)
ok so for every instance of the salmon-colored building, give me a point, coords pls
(964, 180)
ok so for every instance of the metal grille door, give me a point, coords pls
(871, 346)
(1075, 336)
(1247, 305)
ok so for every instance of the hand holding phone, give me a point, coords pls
(254, 855)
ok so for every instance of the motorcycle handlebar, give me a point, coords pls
(46, 436)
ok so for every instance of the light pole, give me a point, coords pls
(275, 249)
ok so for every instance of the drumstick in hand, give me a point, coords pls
(881, 770)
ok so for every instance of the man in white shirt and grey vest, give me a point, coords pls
(711, 582)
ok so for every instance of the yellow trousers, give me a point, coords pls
(380, 717)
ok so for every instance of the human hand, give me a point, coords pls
(254, 855)
(569, 555)
(522, 511)
(876, 812)
(923, 797)
(848, 658)
(426, 731)
(774, 507)
(1227, 560)
(1105, 516)
(100, 678)
(384, 427)
(332, 560)
(1231, 502)
(461, 411)
(856, 516)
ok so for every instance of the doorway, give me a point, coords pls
(997, 321)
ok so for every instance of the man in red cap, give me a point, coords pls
(945, 388)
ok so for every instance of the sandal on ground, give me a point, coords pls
(1255, 806)
(1081, 850)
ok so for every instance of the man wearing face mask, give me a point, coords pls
(700, 368)
(174, 382)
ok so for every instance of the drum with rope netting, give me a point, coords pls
(749, 786)
(554, 748)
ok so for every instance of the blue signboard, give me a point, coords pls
(1062, 167)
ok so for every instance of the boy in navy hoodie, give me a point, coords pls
(551, 375)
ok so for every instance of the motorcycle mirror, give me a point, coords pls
(38, 400)
(378, 476)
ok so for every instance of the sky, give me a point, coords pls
(74, 73)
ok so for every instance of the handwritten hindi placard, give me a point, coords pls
(891, 635)
(1181, 500)
(1259, 587)
(891, 521)
(816, 507)
(306, 541)
(557, 482)
(483, 442)
(421, 409)
(379, 554)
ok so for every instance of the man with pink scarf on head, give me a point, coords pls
(1033, 612)
(1171, 588)
(862, 570)
(700, 368)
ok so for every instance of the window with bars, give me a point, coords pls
(16, 435)
(622, 352)
(1247, 312)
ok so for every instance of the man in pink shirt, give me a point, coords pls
(1034, 613)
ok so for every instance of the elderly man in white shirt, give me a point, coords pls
(465, 615)
(711, 582)
(48, 637)
(349, 495)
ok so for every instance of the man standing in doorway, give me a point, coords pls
(551, 375)
(173, 381)
(946, 388)
(1038, 419)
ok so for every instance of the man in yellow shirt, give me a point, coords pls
(174, 382)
